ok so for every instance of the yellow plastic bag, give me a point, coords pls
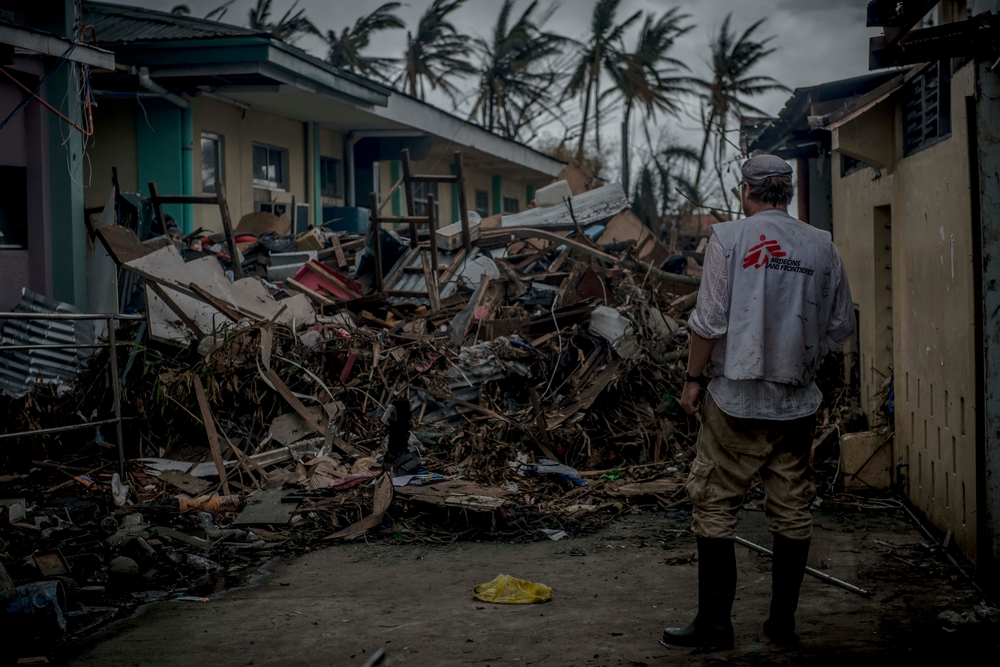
(506, 589)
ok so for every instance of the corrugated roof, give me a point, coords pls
(118, 24)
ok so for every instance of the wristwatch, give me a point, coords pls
(700, 379)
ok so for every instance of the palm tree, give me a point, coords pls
(434, 54)
(345, 48)
(648, 76)
(732, 59)
(181, 10)
(516, 75)
(600, 49)
(288, 29)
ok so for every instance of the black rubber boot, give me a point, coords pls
(788, 566)
(712, 627)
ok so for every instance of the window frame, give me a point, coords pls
(941, 71)
(485, 211)
(20, 227)
(217, 138)
(282, 153)
(420, 198)
(516, 201)
(324, 162)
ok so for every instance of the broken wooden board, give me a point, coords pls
(187, 483)
(456, 493)
(124, 246)
(651, 488)
(383, 497)
(626, 226)
(266, 507)
(588, 396)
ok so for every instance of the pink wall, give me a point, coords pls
(24, 142)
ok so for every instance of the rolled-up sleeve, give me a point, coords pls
(840, 328)
(710, 317)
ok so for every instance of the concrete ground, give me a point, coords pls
(613, 594)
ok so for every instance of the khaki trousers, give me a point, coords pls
(729, 451)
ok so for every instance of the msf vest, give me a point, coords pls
(781, 291)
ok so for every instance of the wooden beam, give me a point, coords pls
(430, 277)
(213, 435)
(411, 210)
(227, 226)
(219, 304)
(433, 178)
(303, 412)
(177, 310)
(463, 209)
(154, 196)
(184, 199)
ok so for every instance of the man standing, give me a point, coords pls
(773, 301)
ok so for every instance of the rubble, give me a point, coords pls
(535, 394)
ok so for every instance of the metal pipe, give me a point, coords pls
(117, 392)
(57, 429)
(146, 82)
(810, 571)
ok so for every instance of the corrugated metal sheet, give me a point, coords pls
(20, 370)
(117, 24)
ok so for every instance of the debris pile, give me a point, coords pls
(531, 390)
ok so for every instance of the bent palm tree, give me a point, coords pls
(732, 59)
(648, 76)
(600, 49)
(288, 29)
(345, 48)
(516, 75)
(434, 53)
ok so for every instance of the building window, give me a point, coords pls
(420, 193)
(211, 161)
(483, 203)
(14, 208)
(511, 205)
(849, 165)
(270, 167)
(927, 107)
(329, 169)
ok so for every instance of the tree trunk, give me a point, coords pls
(597, 108)
(586, 116)
(625, 163)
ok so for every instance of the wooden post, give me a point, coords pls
(376, 228)
(408, 189)
(227, 226)
(154, 194)
(432, 226)
(213, 435)
(118, 194)
(463, 209)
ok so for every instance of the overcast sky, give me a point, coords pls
(817, 40)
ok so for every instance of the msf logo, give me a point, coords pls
(760, 254)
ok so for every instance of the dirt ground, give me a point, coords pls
(614, 591)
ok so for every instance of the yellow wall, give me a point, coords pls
(932, 315)
(113, 145)
(331, 144)
(240, 130)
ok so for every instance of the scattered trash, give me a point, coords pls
(505, 589)
(553, 534)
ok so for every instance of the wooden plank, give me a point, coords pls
(383, 498)
(315, 296)
(536, 406)
(376, 224)
(124, 246)
(220, 305)
(213, 436)
(430, 277)
(558, 261)
(463, 209)
(588, 396)
(157, 209)
(411, 211)
(308, 416)
(338, 251)
(227, 226)
(177, 310)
